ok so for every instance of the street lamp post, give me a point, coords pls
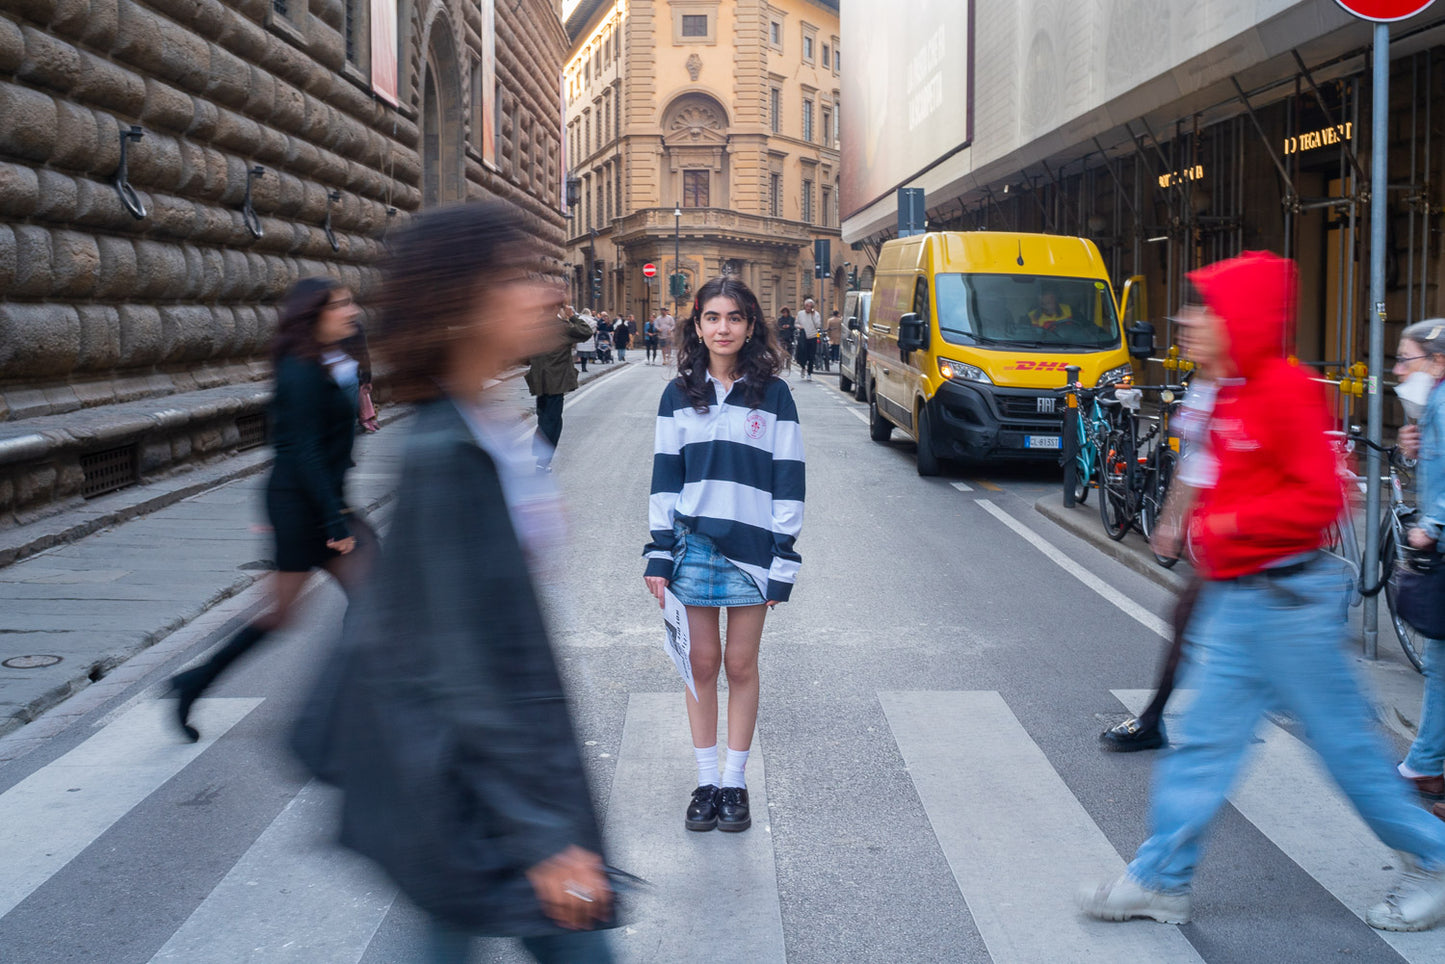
(676, 257)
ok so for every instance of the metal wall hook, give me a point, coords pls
(129, 199)
(385, 243)
(331, 198)
(248, 213)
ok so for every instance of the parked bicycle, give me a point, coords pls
(1098, 415)
(1398, 518)
(1135, 470)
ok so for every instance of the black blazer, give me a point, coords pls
(313, 425)
(453, 741)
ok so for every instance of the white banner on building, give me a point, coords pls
(383, 51)
(491, 123)
(907, 92)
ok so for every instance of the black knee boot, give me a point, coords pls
(189, 686)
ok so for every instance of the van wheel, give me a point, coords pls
(879, 428)
(860, 387)
(927, 461)
(845, 384)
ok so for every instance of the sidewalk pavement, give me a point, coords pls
(164, 554)
(1394, 686)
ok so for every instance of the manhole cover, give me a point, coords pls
(30, 662)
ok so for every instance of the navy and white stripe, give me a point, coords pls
(733, 474)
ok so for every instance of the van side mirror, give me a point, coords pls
(853, 323)
(912, 336)
(1141, 339)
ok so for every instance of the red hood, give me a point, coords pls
(1254, 294)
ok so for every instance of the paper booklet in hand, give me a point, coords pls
(676, 640)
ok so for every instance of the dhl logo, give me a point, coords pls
(1022, 365)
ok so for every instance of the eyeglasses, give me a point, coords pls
(1404, 359)
(341, 302)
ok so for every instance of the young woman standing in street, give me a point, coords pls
(313, 420)
(725, 512)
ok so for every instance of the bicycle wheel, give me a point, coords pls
(1411, 640)
(1116, 480)
(1084, 469)
(1154, 499)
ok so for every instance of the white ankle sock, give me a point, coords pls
(733, 774)
(1405, 771)
(707, 765)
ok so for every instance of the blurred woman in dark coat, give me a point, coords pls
(313, 423)
(451, 738)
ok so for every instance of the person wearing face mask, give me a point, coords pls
(1420, 366)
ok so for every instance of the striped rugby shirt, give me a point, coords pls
(732, 474)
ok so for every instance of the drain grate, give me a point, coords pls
(108, 471)
(252, 429)
(31, 662)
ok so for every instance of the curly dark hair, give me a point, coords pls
(758, 362)
(296, 321)
(440, 267)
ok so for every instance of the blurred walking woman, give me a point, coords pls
(313, 422)
(454, 749)
(726, 509)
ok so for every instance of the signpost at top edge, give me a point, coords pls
(1384, 11)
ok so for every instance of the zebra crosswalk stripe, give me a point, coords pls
(48, 818)
(714, 891)
(1288, 796)
(1018, 841)
(294, 896)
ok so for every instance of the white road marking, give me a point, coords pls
(1018, 841)
(50, 817)
(706, 887)
(1128, 606)
(962, 486)
(293, 896)
(860, 414)
(1324, 836)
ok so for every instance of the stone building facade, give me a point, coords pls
(131, 345)
(723, 110)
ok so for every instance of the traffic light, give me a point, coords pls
(678, 285)
(822, 258)
(597, 272)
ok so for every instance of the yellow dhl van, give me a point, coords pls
(970, 334)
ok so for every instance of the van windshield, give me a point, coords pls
(1027, 311)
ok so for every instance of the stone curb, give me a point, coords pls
(1083, 521)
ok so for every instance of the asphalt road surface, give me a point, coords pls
(926, 780)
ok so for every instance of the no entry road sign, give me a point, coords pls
(1384, 11)
(649, 270)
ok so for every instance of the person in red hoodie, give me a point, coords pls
(1269, 629)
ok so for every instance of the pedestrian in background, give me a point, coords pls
(810, 326)
(1270, 624)
(451, 738)
(666, 328)
(550, 376)
(833, 332)
(1421, 357)
(725, 513)
(313, 423)
(587, 349)
(650, 337)
(622, 337)
(604, 338)
(355, 346)
(787, 336)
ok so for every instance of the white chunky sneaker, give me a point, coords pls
(1126, 899)
(1414, 902)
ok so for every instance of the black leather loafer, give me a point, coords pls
(1129, 736)
(732, 810)
(702, 811)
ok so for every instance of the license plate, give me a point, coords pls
(1041, 441)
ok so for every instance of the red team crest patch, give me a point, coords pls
(755, 425)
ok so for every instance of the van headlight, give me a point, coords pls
(1114, 375)
(956, 371)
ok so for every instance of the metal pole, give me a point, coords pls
(1071, 436)
(676, 257)
(1379, 200)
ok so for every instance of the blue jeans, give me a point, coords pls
(1427, 753)
(1273, 643)
(446, 945)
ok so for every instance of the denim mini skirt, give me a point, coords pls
(702, 576)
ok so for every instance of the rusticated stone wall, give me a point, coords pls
(99, 308)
